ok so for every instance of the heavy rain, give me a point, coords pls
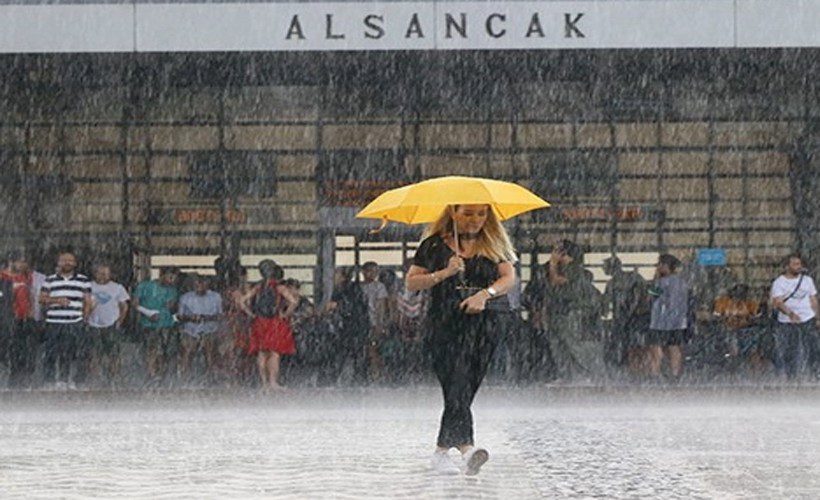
(235, 266)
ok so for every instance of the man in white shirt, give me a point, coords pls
(200, 312)
(109, 309)
(794, 296)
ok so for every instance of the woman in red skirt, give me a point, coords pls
(271, 305)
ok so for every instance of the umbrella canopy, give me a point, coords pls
(425, 201)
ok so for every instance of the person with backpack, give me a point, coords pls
(271, 304)
(794, 296)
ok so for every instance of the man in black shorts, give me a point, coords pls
(668, 328)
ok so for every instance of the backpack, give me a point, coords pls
(267, 302)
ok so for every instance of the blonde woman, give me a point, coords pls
(466, 261)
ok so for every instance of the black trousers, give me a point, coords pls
(23, 344)
(795, 348)
(461, 351)
(62, 345)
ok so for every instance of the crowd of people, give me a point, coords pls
(67, 330)
(688, 317)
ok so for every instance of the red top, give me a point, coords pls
(22, 293)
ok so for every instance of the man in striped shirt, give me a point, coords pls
(66, 296)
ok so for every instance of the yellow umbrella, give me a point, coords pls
(425, 201)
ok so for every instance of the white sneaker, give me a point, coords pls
(72, 386)
(474, 459)
(60, 386)
(443, 464)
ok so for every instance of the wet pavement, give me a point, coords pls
(544, 442)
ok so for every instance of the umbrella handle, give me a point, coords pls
(455, 238)
(380, 228)
(455, 229)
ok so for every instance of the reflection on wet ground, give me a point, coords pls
(544, 442)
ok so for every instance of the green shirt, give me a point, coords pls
(572, 296)
(153, 295)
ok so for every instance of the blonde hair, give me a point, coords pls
(493, 241)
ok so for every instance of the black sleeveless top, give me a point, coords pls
(433, 254)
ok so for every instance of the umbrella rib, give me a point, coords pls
(492, 205)
(415, 212)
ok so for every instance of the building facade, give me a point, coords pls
(132, 156)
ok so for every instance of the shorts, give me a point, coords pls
(666, 338)
(194, 342)
(163, 341)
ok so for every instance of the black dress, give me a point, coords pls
(461, 344)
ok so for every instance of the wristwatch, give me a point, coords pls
(492, 291)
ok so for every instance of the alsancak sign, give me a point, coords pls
(434, 25)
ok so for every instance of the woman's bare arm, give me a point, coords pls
(506, 278)
(419, 278)
(245, 301)
(289, 298)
